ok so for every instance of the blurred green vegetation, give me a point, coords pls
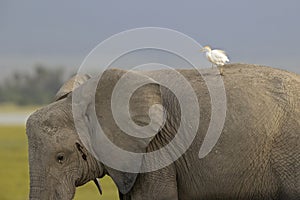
(13, 108)
(14, 172)
(35, 88)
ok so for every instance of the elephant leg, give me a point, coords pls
(157, 185)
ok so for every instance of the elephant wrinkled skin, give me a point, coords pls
(256, 157)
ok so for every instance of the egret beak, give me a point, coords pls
(202, 50)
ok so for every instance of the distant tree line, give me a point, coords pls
(35, 88)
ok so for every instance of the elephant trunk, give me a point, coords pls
(42, 188)
(37, 182)
(42, 184)
(36, 186)
(37, 174)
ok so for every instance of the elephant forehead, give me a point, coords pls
(50, 119)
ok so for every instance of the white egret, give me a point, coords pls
(215, 56)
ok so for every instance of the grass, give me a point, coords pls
(13, 108)
(14, 172)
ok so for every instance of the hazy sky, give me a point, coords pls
(64, 32)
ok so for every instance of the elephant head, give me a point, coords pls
(61, 157)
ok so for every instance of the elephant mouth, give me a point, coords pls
(96, 182)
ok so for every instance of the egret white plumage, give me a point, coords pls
(215, 56)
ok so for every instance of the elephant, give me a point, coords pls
(257, 155)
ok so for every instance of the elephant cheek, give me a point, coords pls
(60, 186)
(64, 192)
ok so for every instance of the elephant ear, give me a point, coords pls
(119, 148)
(70, 85)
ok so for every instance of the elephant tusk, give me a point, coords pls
(98, 185)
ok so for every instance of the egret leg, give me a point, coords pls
(221, 71)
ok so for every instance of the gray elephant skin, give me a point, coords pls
(256, 157)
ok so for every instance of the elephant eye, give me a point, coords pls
(60, 158)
